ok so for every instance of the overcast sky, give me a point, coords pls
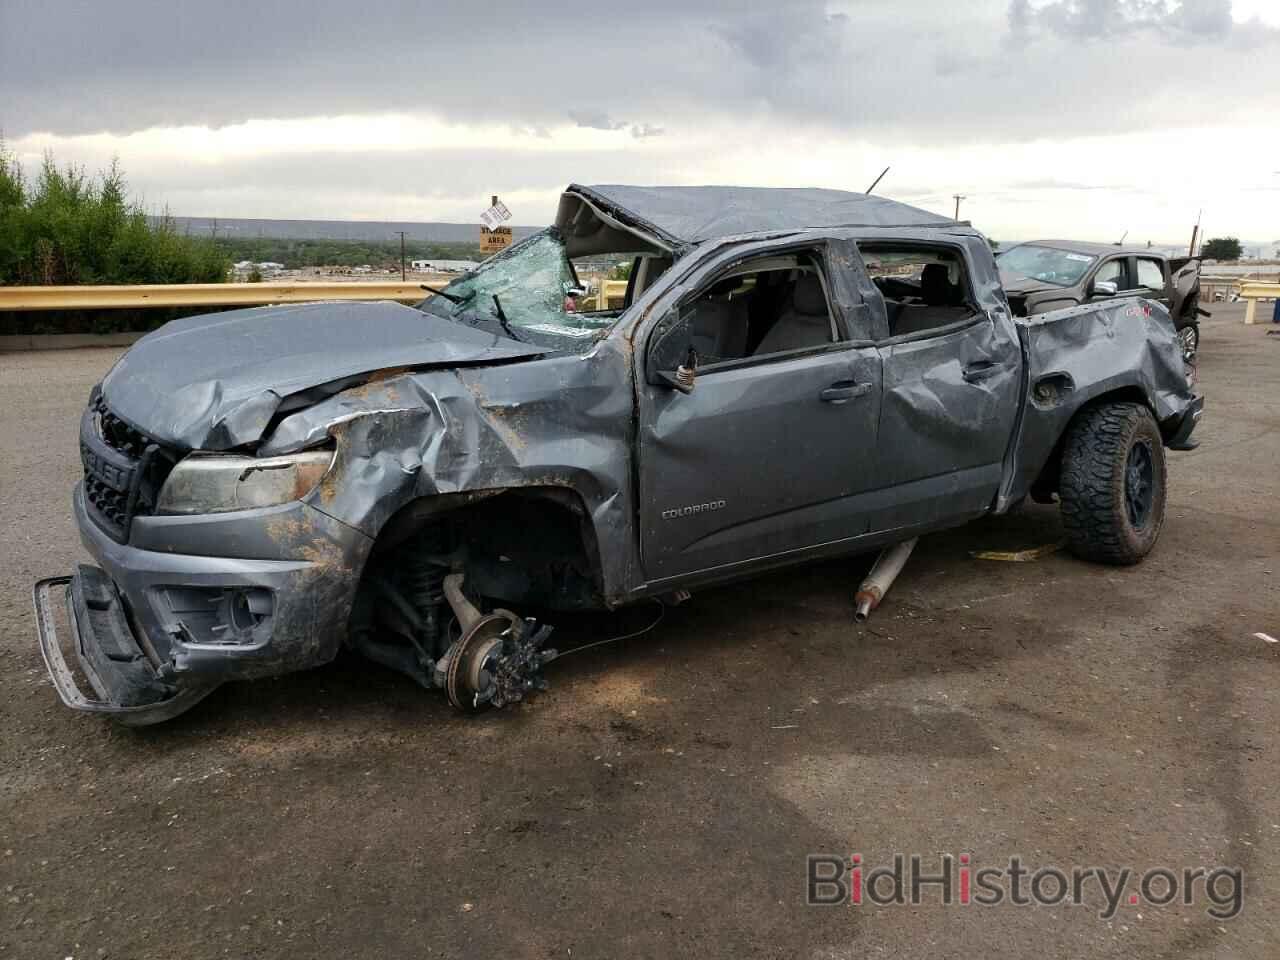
(1079, 118)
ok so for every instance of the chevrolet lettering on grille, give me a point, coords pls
(109, 473)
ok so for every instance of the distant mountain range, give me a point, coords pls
(386, 230)
(366, 230)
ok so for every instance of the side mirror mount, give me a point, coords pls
(685, 375)
(672, 361)
(1105, 288)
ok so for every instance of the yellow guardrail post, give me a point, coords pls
(1253, 291)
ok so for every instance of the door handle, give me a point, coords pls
(844, 390)
(980, 371)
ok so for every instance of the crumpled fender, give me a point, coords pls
(559, 422)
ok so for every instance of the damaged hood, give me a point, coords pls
(214, 382)
(1019, 285)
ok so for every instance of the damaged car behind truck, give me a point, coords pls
(793, 374)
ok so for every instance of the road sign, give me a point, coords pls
(495, 240)
(493, 237)
(496, 214)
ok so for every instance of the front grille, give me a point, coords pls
(118, 434)
(124, 469)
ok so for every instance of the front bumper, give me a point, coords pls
(154, 629)
(126, 685)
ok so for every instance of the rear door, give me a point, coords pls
(767, 452)
(951, 397)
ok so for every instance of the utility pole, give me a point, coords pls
(402, 255)
(958, 197)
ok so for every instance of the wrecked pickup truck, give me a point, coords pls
(1045, 275)
(793, 374)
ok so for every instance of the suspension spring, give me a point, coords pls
(423, 576)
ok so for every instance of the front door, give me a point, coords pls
(768, 451)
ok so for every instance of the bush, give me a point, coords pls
(64, 227)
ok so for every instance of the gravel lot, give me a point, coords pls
(660, 799)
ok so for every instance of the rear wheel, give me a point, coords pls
(1112, 483)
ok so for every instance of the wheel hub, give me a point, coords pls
(497, 662)
(1139, 484)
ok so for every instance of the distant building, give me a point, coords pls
(442, 266)
(267, 268)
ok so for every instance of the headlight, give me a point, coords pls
(209, 483)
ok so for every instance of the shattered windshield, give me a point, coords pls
(530, 289)
(1062, 268)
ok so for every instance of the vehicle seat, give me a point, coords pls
(804, 321)
(943, 303)
(718, 329)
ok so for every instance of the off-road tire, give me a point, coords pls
(1109, 448)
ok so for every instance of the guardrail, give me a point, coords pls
(1253, 291)
(201, 295)
(1212, 286)
(610, 294)
(610, 291)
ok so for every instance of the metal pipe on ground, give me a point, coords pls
(885, 570)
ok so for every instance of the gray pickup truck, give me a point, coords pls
(793, 374)
(1045, 275)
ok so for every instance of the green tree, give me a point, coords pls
(1221, 248)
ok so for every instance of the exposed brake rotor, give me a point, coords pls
(497, 662)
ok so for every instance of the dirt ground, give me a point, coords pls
(661, 798)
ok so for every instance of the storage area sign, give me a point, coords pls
(494, 238)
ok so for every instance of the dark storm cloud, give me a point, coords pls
(929, 70)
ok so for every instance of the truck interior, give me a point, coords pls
(765, 305)
(924, 287)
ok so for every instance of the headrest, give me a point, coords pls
(936, 286)
(808, 298)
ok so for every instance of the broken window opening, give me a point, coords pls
(925, 287)
(763, 306)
